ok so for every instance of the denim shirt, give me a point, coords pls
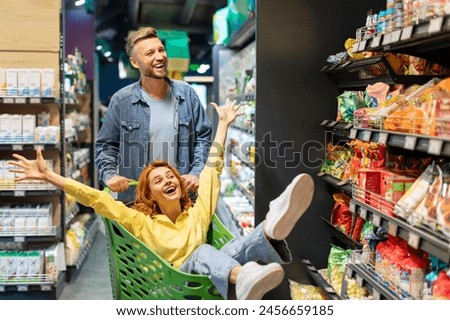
(122, 144)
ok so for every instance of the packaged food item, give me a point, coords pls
(443, 202)
(341, 217)
(305, 292)
(411, 199)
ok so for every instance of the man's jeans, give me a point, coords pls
(217, 264)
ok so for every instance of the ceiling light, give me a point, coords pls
(79, 2)
(107, 54)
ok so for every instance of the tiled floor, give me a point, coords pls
(92, 281)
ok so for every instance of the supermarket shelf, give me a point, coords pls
(368, 279)
(248, 130)
(360, 73)
(325, 287)
(427, 240)
(430, 40)
(28, 100)
(71, 213)
(28, 193)
(433, 145)
(243, 159)
(342, 238)
(72, 270)
(40, 290)
(23, 235)
(340, 185)
(17, 146)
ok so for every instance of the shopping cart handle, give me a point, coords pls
(130, 183)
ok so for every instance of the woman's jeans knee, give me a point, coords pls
(217, 264)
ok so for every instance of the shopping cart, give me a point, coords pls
(138, 273)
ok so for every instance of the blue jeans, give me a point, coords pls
(217, 264)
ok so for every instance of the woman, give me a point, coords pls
(164, 219)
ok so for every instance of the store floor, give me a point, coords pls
(92, 281)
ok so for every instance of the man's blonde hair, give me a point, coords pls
(144, 33)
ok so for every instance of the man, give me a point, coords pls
(156, 118)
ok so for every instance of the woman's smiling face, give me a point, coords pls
(164, 185)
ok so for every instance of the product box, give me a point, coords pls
(2, 82)
(55, 260)
(369, 180)
(48, 82)
(5, 128)
(23, 82)
(28, 126)
(11, 82)
(16, 128)
(35, 82)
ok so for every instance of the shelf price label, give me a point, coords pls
(19, 239)
(376, 220)
(19, 193)
(21, 100)
(359, 280)
(383, 137)
(353, 133)
(35, 100)
(375, 42)
(22, 288)
(324, 122)
(46, 287)
(17, 147)
(413, 240)
(410, 142)
(366, 135)
(395, 35)
(332, 124)
(8, 100)
(363, 213)
(2, 289)
(349, 272)
(406, 33)
(435, 146)
(392, 229)
(352, 207)
(435, 25)
(376, 295)
(362, 45)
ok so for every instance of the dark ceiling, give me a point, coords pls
(114, 18)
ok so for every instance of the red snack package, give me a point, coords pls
(341, 216)
(441, 286)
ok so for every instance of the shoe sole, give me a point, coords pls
(300, 198)
(266, 282)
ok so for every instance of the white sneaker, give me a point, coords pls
(255, 280)
(285, 210)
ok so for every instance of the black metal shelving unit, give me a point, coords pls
(429, 40)
(317, 278)
(358, 74)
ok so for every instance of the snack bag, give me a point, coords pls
(341, 216)
(412, 198)
(304, 291)
(337, 260)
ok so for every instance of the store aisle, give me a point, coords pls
(92, 282)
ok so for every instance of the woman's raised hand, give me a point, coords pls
(228, 112)
(31, 169)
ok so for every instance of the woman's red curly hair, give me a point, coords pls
(144, 203)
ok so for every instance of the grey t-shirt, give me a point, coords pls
(162, 127)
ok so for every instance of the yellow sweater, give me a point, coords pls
(174, 242)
